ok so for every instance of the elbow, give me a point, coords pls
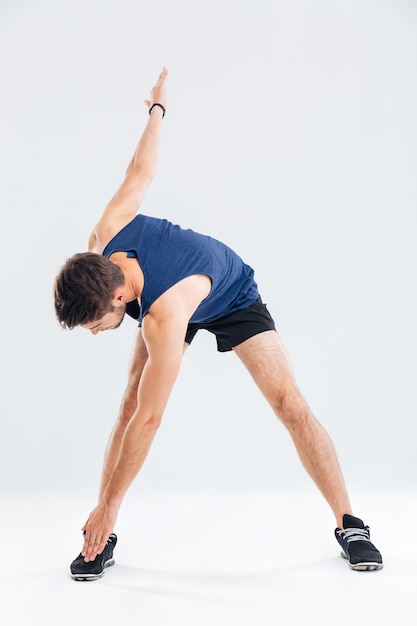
(145, 171)
(153, 423)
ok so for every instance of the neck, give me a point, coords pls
(132, 273)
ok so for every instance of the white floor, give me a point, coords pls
(208, 559)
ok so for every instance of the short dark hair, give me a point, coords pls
(84, 289)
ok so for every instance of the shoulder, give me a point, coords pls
(181, 300)
(104, 231)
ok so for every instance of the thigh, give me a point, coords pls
(268, 362)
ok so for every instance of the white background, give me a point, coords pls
(291, 135)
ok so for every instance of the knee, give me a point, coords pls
(291, 409)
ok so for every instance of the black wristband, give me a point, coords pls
(157, 104)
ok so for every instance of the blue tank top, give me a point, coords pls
(168, 253)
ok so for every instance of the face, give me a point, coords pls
(109, 321)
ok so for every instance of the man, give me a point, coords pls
(183, 281)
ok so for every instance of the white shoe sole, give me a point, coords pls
(83, 577)
(363, 567)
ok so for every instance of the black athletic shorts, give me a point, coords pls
(233, 329)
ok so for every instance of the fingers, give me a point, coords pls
(94, 541)
(164, 74)
(162, 77)
(158, 91)
(99, 525)
(93, 544)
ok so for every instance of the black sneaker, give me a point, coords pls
(357, 547)
(80, 570)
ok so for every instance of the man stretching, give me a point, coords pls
(175, 282)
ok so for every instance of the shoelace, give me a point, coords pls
(356, 534)
(110, 539)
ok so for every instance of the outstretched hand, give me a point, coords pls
(158, 91)
(98, 527)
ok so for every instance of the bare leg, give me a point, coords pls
(269, 364)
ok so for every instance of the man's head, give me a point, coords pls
(89, 288)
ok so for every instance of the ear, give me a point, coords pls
(118, 295)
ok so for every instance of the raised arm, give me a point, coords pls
(146, 153)
(139, 174)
